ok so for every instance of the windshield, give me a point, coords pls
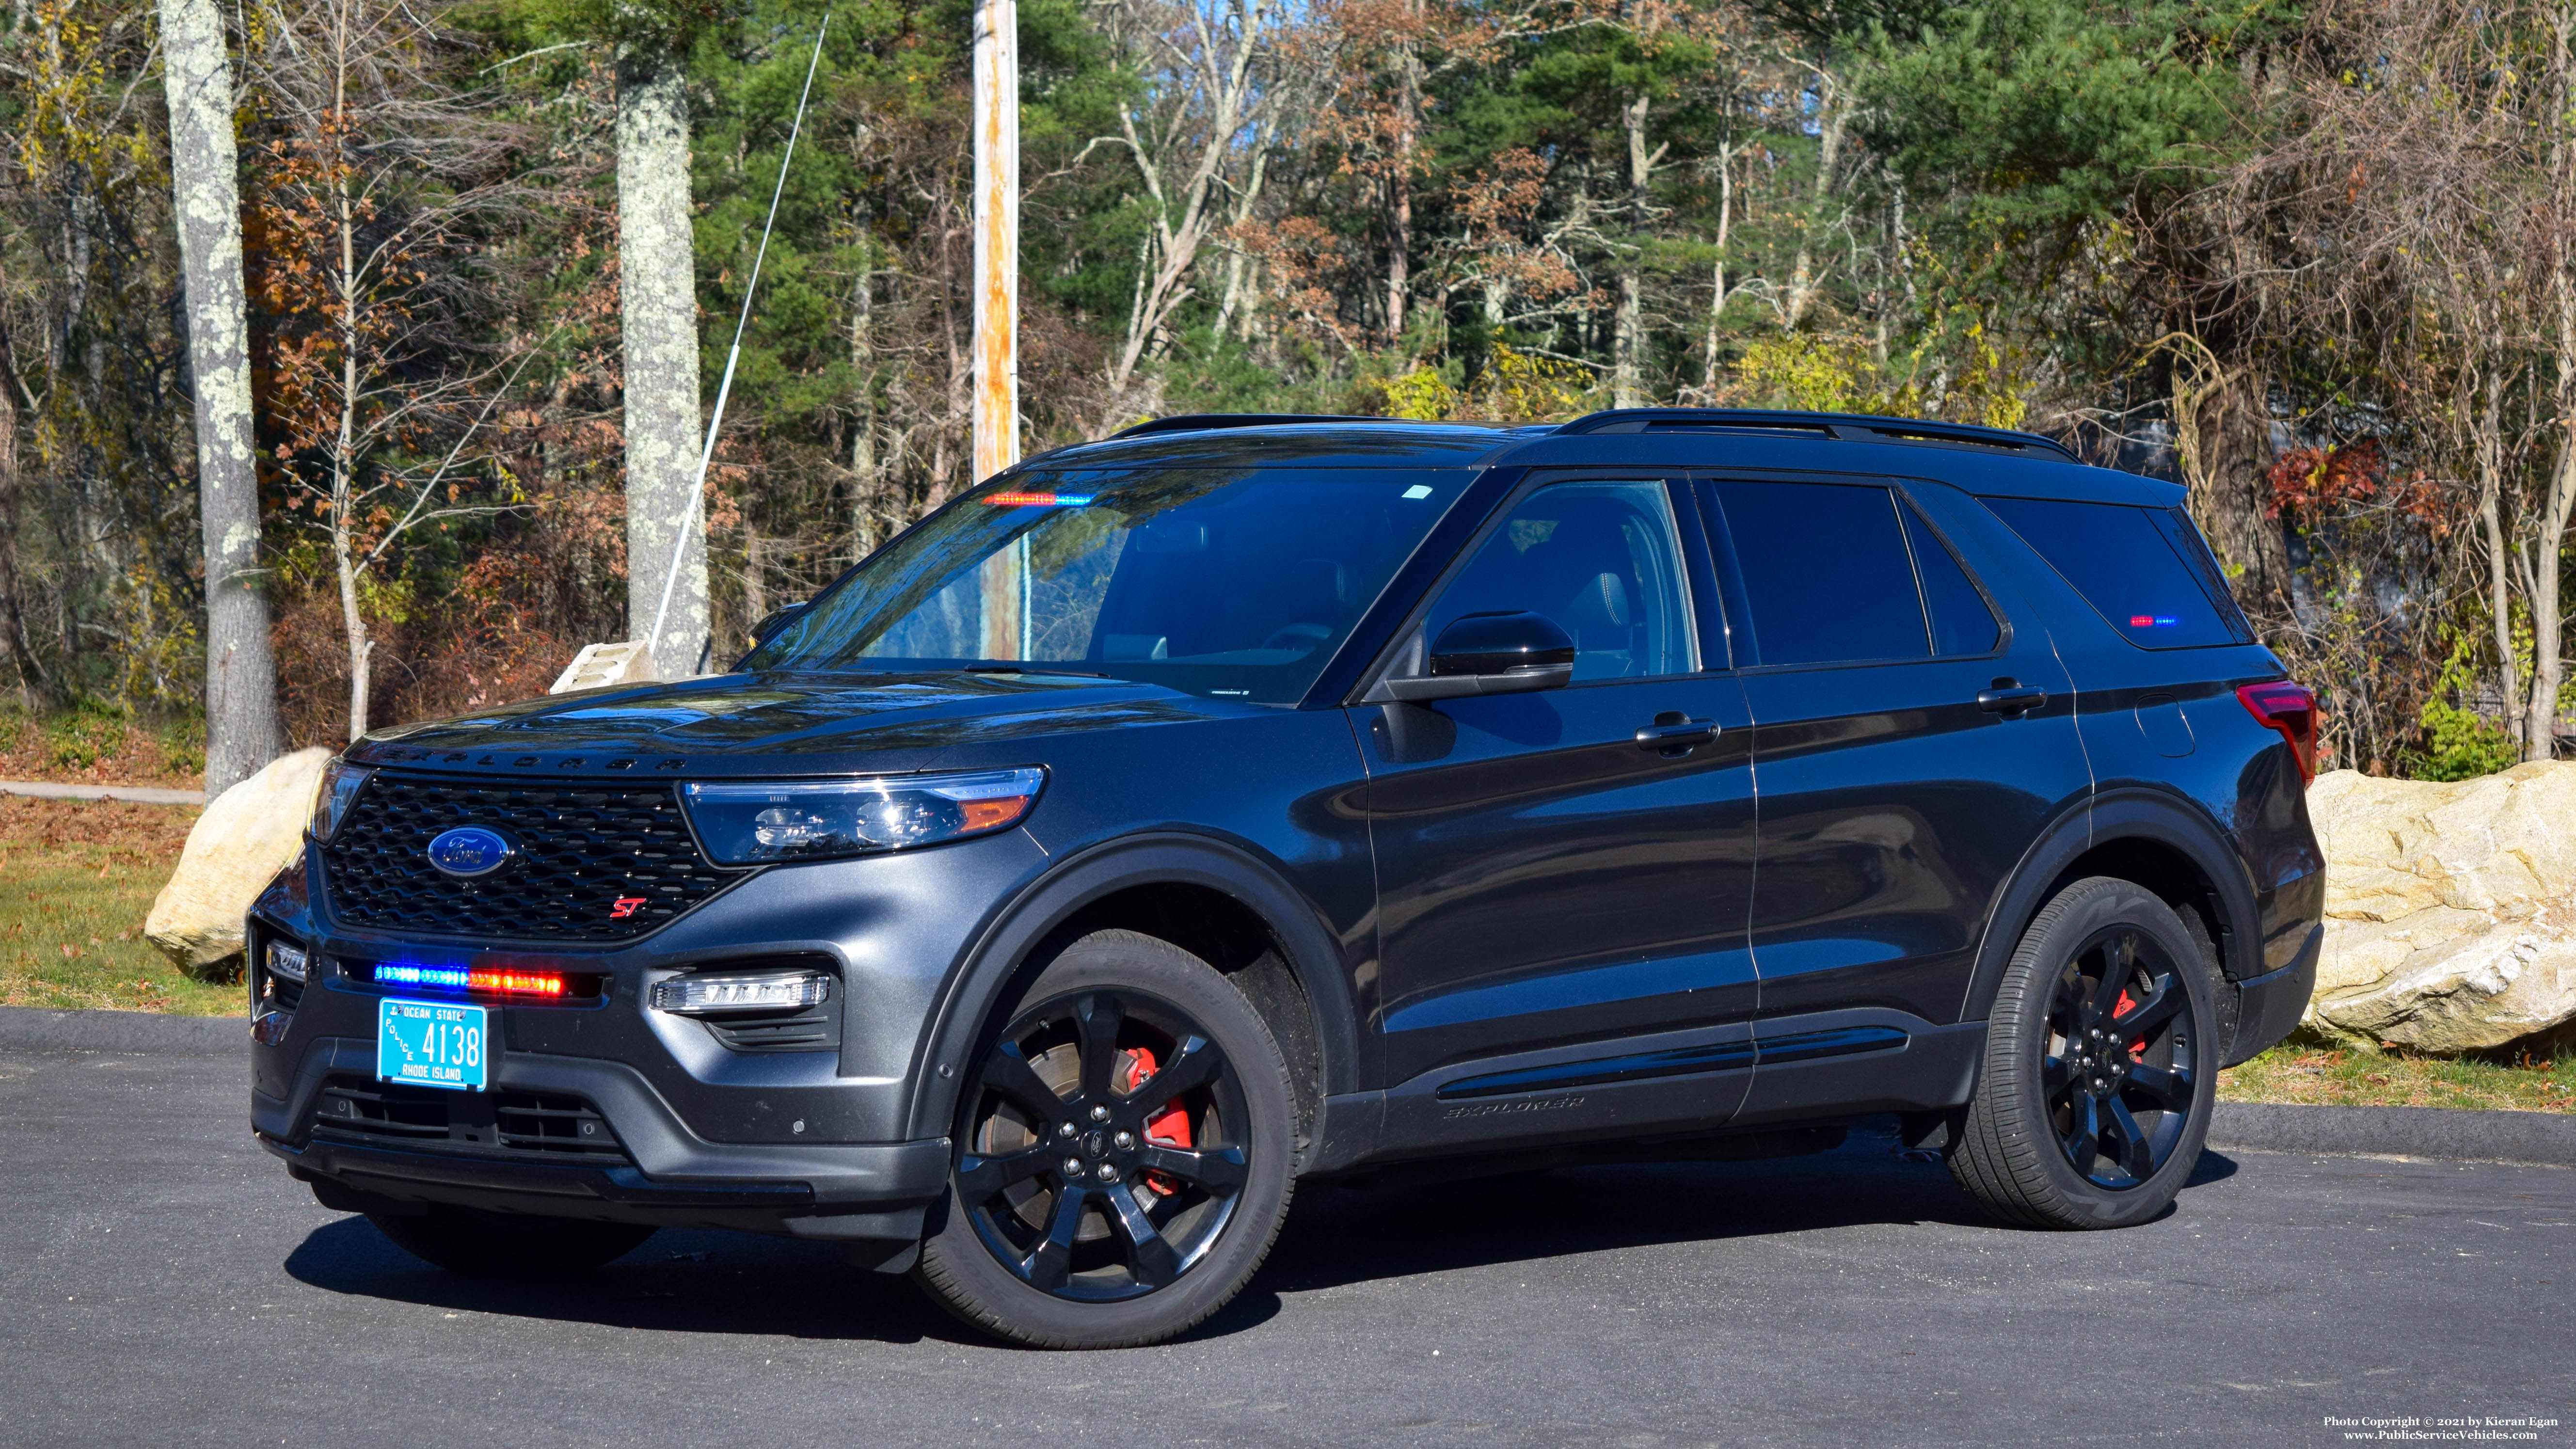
(1237, 582)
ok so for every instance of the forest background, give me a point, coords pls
(2316, 262)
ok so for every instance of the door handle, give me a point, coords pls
(1675, 733)
(2010, 699)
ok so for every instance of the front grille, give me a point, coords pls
(585, 853)
(532, 1126)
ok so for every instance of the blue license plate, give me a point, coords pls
(433, 1044)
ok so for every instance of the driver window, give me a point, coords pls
(1603, 560)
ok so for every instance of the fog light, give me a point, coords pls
(286, 961)
(709, 993)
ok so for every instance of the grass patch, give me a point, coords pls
(77, 878)
(2306, 1070)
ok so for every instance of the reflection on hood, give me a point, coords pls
(771, 715)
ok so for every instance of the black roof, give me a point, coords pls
(1981, 460)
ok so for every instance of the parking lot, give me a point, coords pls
(166, 1283)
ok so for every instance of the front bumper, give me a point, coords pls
(813, 1142)
(660, 1172)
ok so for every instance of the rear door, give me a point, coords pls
(1914, 733)
(1552, 888)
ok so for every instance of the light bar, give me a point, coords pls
(1039, 500)
(708, 992)
(450, 978)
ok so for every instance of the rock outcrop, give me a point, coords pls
(250, 833)
(2450, 908)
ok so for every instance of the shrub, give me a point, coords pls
(92, 730)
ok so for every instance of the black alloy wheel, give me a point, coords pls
(2095, 1093)
(1099, 1165)
(1123, 1152)
(2119, 1075)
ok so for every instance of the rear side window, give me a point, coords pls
(1826, 573)
(2124, 561)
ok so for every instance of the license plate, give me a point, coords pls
(432, 1044)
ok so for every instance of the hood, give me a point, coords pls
(774, 724)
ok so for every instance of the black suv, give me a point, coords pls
(1242, 800)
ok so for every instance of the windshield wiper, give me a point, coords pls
(1035, 669)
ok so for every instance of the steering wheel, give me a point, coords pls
(1291, 636)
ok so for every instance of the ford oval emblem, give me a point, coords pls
(470, 850)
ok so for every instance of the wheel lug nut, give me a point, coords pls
(1099, 1114)
(1064, 1130)
(1073, 1167)
(1108, 1173)
(1125, 1139)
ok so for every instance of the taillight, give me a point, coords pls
(2291, 709)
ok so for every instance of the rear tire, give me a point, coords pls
(1085, 1209)
(506, 1245)
(2101, 1065)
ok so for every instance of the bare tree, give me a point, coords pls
(242, 732)
(1200, 143)
(363, 211)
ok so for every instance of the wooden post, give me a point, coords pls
(997, 236)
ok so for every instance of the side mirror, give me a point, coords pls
(775, 620)
(1508, 653)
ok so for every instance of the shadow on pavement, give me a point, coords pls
(716, 1282)
(684, 1280)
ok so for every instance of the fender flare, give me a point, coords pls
(1163, 858)
(2124, 814)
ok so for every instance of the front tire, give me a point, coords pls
(508, 1245)
(2101, 1065)
(1122, 1153)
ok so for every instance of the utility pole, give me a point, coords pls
(997, 236)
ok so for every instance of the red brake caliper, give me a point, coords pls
(1171, 1129)
(2138, 1048)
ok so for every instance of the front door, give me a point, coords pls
(1551, 887)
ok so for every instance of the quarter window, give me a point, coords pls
(2124, 562)
(1961, 622)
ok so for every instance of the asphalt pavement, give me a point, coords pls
(162, 1282)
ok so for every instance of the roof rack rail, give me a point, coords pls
(1208, 422)
(1850, 427)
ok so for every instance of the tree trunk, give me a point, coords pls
(2544, 578)
(344, 458)
(657, 292)
(1717, 271)
(1628, 328)
(242, 730)
(1399, 197)
(2488, 429)
(1832, 113)
(863, 431)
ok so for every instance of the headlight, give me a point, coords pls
(286, 961)
(749, 822)
(340, 782)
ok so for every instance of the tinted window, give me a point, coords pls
(2119, 559)
(1961, 622)
(1603, 561)
(1826, 575)
(1229, 581)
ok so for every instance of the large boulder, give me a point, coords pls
(250, 833)
(2450, 908)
